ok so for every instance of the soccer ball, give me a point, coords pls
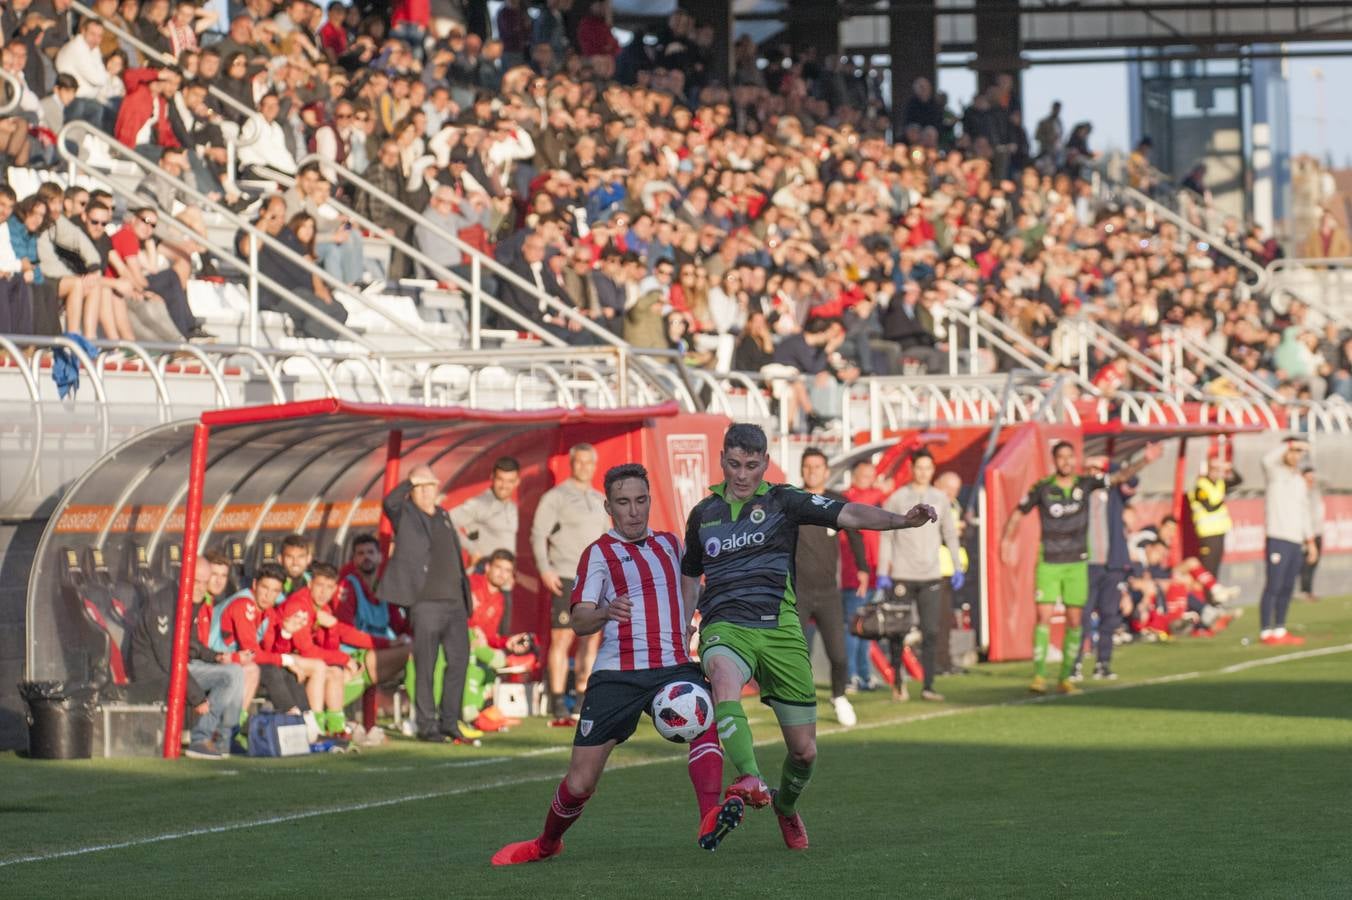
(682, 711)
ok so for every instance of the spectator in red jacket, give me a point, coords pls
(333, 36)
(490, 646)
(382, 652)
(143, 119)
(295, 635)
(596, 41)
(485, 623)
(310, 629)
(240, 628)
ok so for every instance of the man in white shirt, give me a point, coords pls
(80, 58)
(269, 148)
(489, 521)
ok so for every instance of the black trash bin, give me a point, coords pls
(60, 719)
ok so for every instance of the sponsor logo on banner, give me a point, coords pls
(688, 462)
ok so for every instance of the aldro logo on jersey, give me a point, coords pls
(713, 546)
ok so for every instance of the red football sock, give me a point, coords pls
(912, 665)
(1199, 574)
(706, 769)
(563, 812)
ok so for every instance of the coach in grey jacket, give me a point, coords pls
(426, 575)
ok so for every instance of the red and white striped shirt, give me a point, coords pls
(648, 572)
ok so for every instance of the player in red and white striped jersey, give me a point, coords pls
(648, 573)
(628, 587)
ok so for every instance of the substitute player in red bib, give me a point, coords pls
(628, 587)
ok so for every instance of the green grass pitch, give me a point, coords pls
(1211, 769)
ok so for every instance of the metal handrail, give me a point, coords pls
(17, 89)
(25, 371)
(165, 404)
(1183, 343)
(442, 271)
(1318, 268)
(1308, 262)
(1149, 370)
(1200, 234)
(626, 360)
(167, 60)
(477, 258)
(248, 228)
(1013, 342)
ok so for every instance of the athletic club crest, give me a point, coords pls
(584, 727)
(688, 462)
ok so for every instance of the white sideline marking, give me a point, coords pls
(553, 776)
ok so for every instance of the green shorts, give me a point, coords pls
(1064, 582)
(776, 657)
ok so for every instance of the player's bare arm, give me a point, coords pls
(689, 600)
(1129, 471)
(875, 518)
(589, 618)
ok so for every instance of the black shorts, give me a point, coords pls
(561, 611)
(615, 700)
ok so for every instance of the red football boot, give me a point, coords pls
(720, 820)
(795, 833)
(1271, 641)
(524, 852)
(752, 789)
(1290, 640)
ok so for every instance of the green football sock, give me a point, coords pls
(792, 783)
(735, 734)
(1042, 638)
(1070, 645)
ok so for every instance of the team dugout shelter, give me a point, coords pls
(244, 478)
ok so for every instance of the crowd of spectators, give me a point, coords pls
(769, 224)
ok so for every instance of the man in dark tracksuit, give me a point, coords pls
(425, 575)
(817, 563)
(1109, 565)
(215, 690)
(152, 649)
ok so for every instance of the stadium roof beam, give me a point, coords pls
(1201, 53)
(914, 49)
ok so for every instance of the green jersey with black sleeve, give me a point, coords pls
(1065, 516)
(745, 551)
